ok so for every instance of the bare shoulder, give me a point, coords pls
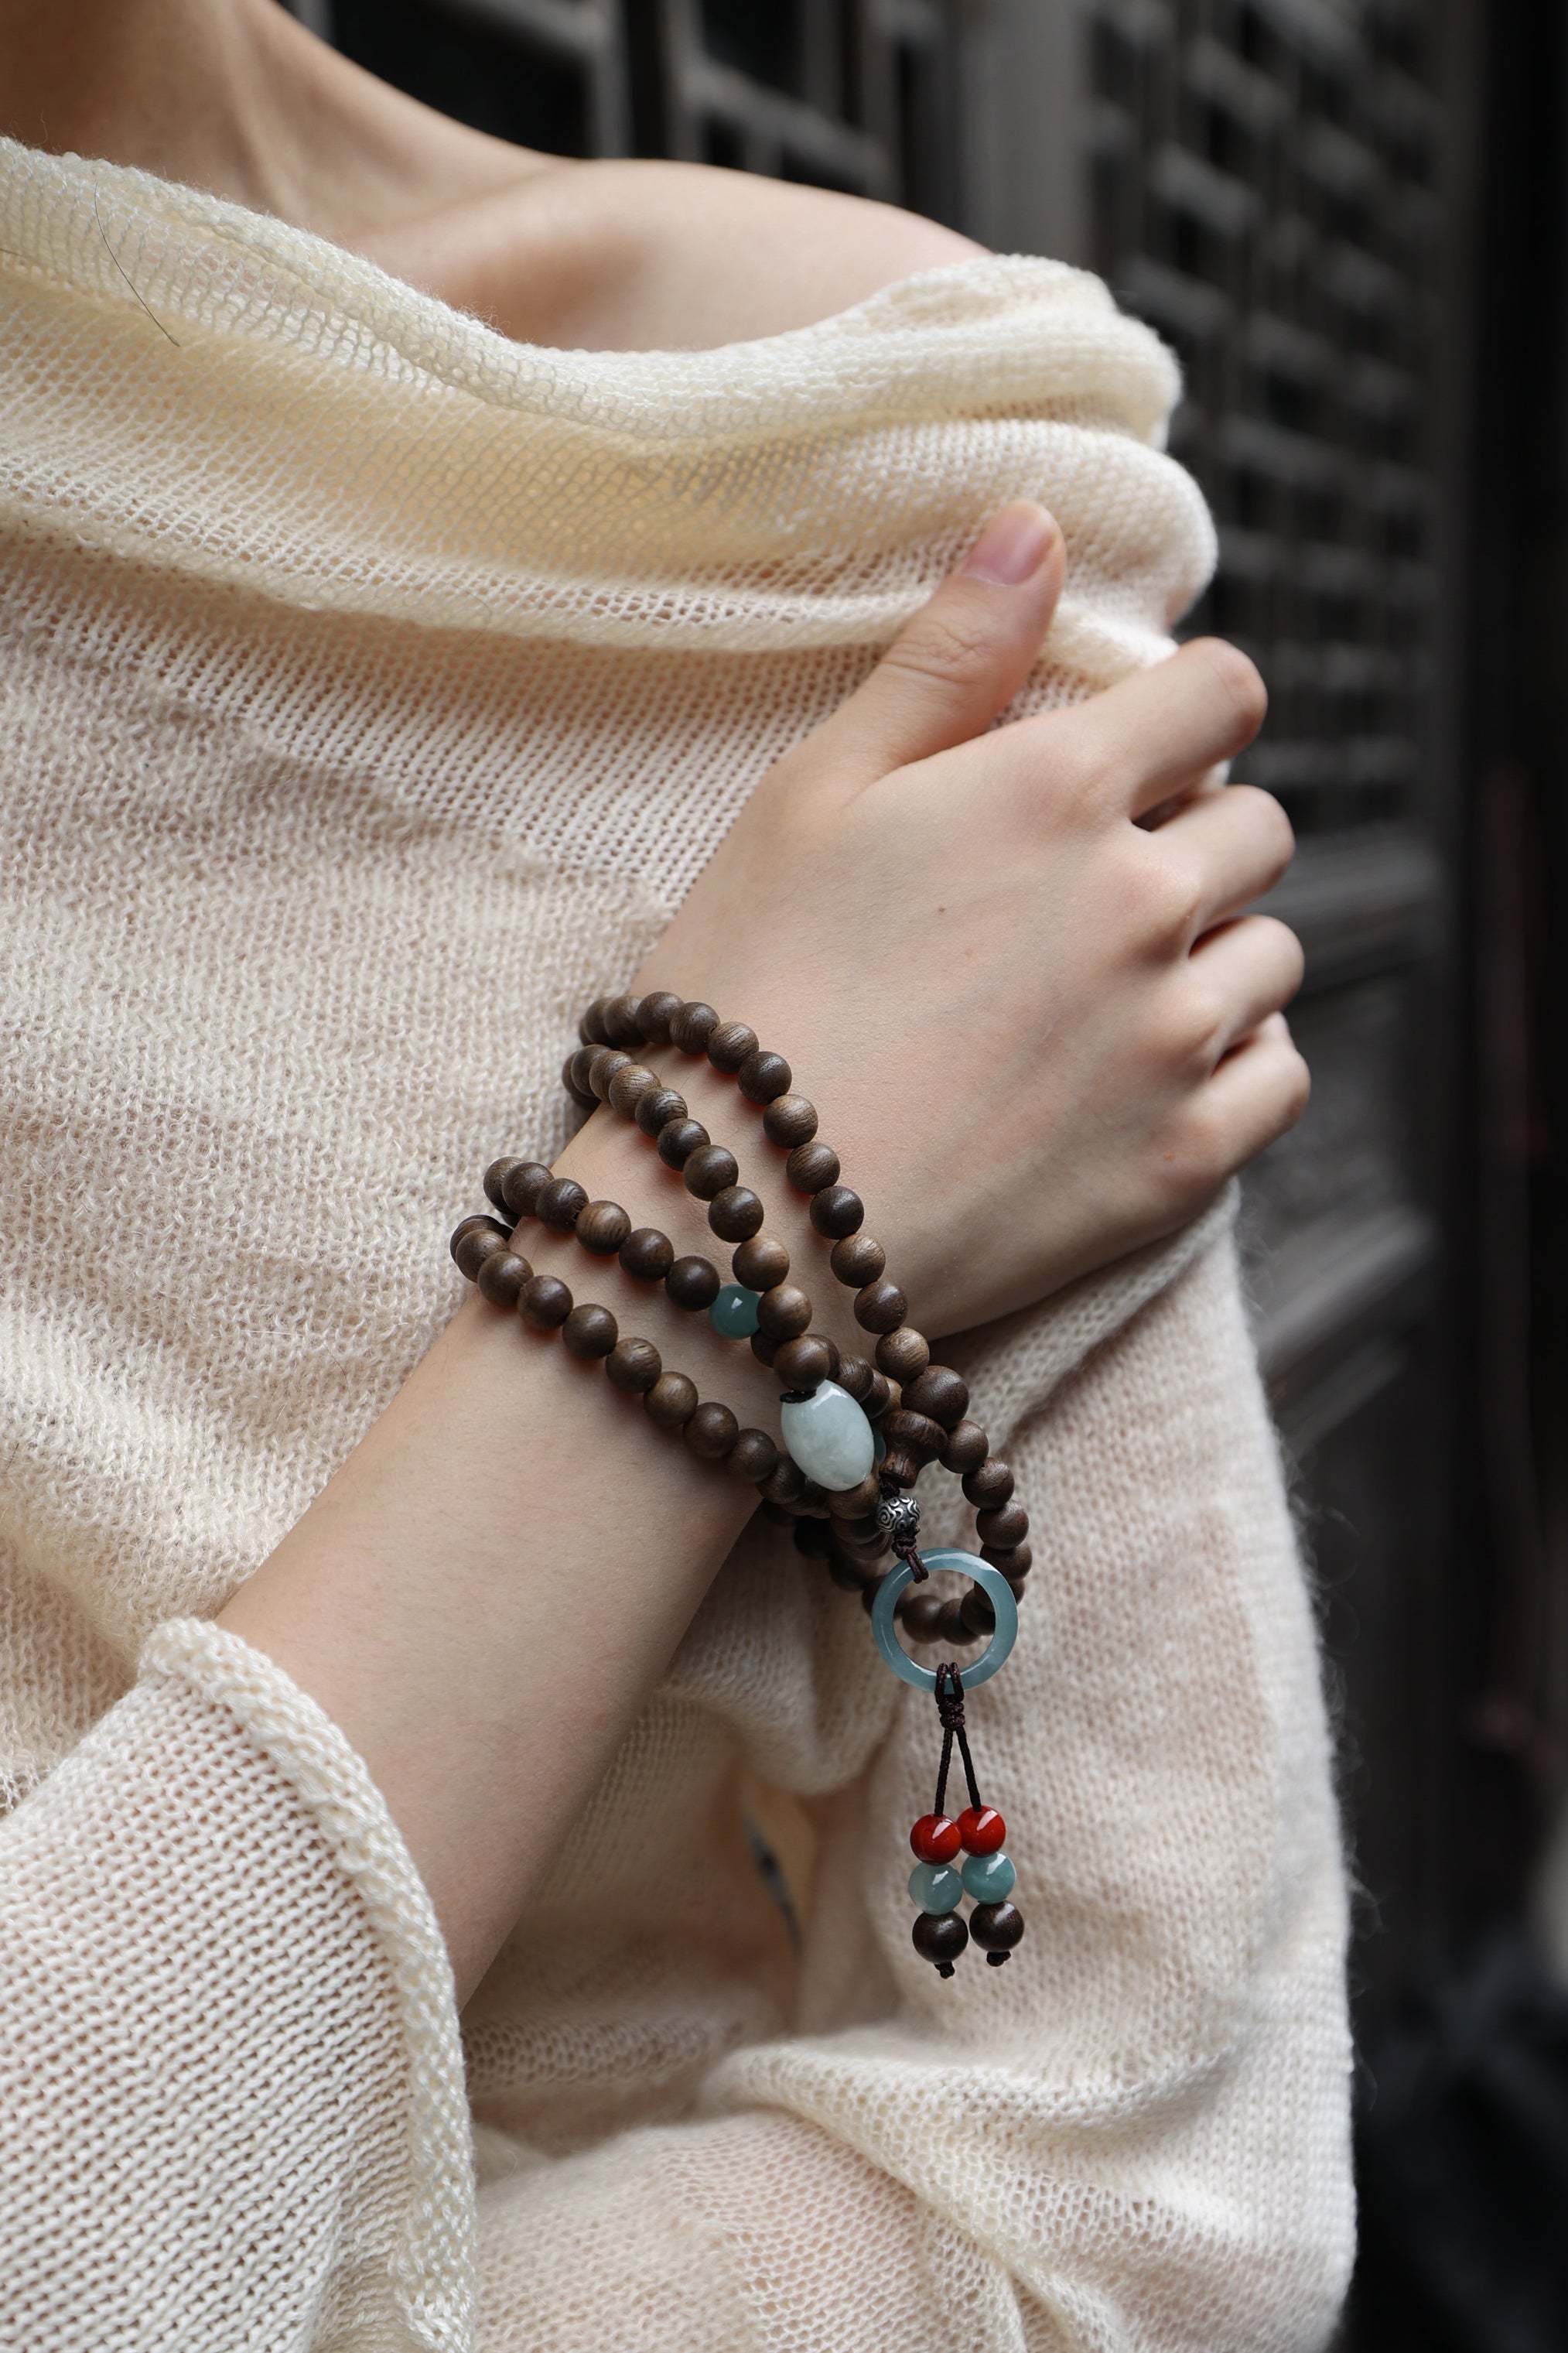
(652, 255)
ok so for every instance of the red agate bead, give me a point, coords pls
(935, 1839)
(981, 1829)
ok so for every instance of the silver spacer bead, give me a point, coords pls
(898, 1516)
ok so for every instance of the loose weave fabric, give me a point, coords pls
(372, 691)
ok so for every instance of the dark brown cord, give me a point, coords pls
(950, 1708)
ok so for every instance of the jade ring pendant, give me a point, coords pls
(991, 1583)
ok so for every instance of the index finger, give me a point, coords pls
(1153, 733)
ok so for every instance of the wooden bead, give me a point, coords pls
(810, 1167)
(864, 1538)
(939, 1938)
(790, 1120)
(979, 1611)
(590, 1332)
(591, 1028)
(760, 1263)
(680, 1140)
(560, 1204)
(581, 1092)
(546, 1303)
(732, 1043)
(671, 1401)
(712, 1431)
(692, 1284)
(942, 1393)
(655, 1012)
(857, 1260)
(855, 1376)
(735, 1214)
(634, 1365)
(495, 1178)
(915, 1431)
(525, 1182)
(996, 1927)
(835, 1210)
(803, 1363)
(655, 1111)
(967, 1446)
(602, 1227)
(476, 1239)
(646, 1255)
(763, 1077)
(691, 1026)
(854, 1503)
(989, 1483)
(920, 1612)
(602, 1069)
(754, 1456)
(881, 1306)
(709, 1170)
(954, 1629)
(900, 1467)
(783, 1310)
(1008, 1525)
(878, 1398)
(630, 1083)
(785, 1483)
(501, 1277)
(903, 1354)
(764, 1348)
(1014, 1561)
(622, 1026)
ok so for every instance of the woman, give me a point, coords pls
(380, 691)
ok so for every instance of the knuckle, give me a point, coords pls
(949, 644)
(1239, 679)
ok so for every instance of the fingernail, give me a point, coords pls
(1011, 547)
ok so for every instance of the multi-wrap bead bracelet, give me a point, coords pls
(830, 1471)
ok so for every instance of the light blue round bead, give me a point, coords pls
(936, 1887)
(829, 1436)
(988, 1877)
(733, 1313)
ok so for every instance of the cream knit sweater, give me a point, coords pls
(371, 691)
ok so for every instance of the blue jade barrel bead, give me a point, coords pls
(936, 1887)
(733, 1313)
(828, 1436)
(988, 1877)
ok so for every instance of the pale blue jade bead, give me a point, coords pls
(829, 1436)
(988, 1877)
(733, 1313)
(936, 1887)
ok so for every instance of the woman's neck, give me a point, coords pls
(233, 96)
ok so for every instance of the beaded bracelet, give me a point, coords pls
(868, 1505)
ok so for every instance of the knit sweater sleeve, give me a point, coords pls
(228, 2059)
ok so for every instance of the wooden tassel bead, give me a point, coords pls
(1008, 1525)
(712, 1431)
(903, 1354)
(763, 1077)
(671, 1401)
(546, 1303)
(915, 1431)
(988, 1484)
(692, 1284)
(576, 1086)
(631, 1082)
(810, 1167)
(634, 1365)
(790, 1120)
(605, 1062)
(525, 1182)
(966, 1449)
(837, 1210)
(655, 1111)
(804, 1362)
(654, 1013)
(735, 1214)
(601, 1227)
(857, 1260)
(475, 1239)
(709, 1170)
(880, 1307)
(590, 1332)
(900, 1467)
(560, 1204)
(648, 1255)
(942, 1393)
(691, 1026)
(783, 1310)
(680, 1140)
(760, 1263)
(754, 1456)
(501, 1277)
(621, 1025)
(732, 1043)
(591, 1028)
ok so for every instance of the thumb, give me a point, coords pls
(963, 657)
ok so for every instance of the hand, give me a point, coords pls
(1010, 965)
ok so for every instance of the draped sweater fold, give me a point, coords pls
(372, 689)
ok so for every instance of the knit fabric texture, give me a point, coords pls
(372, 689)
